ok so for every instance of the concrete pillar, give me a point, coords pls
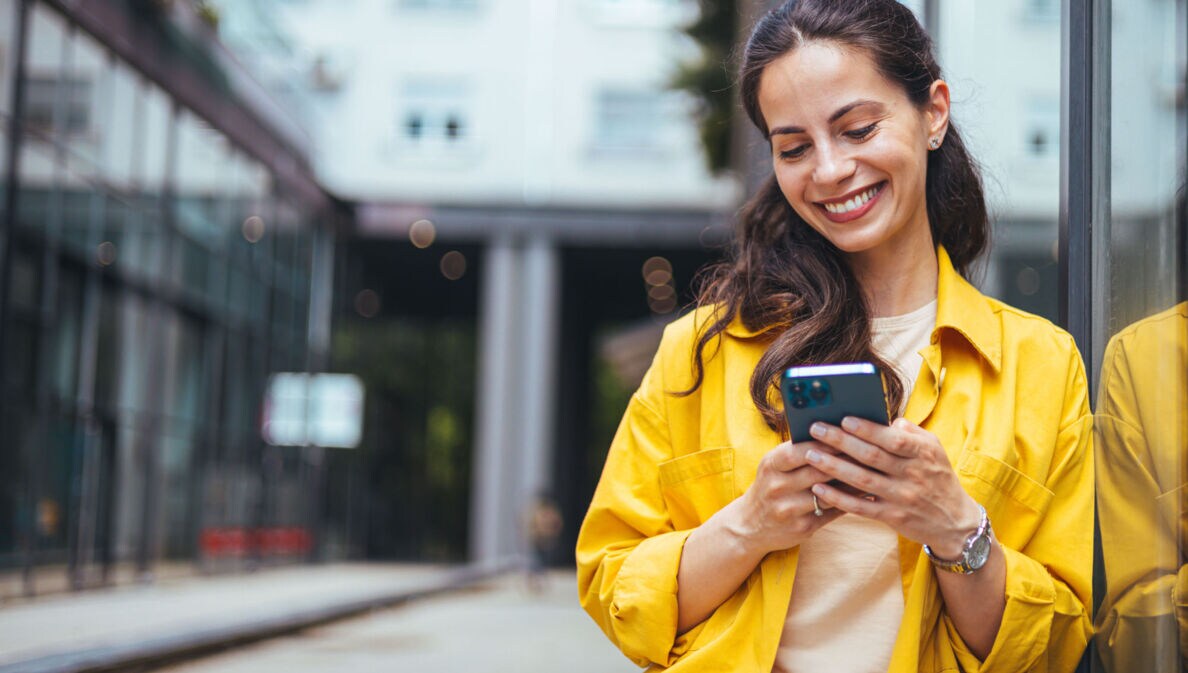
(519, 318)
(493, 529)
(538, 380)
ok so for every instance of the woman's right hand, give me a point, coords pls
(777, 511)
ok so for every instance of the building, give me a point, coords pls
(164, 247)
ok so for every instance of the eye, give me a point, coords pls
(862, 133)
(794, 153)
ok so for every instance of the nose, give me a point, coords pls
(833, 165)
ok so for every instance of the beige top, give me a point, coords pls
(847, 600)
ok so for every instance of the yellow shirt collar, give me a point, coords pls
(960, 307)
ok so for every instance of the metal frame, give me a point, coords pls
(1085, 205)
(1085, 176)
(7, 227)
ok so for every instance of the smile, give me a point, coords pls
(853, 207)
(853, 203)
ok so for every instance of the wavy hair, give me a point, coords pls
(784, 278)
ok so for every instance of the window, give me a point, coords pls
(435, 115)
(636, 121)
(1042, 127)
(41, 96)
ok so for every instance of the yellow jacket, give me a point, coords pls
(1003, 390)
(1142, 449)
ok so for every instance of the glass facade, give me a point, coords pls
(155, 273)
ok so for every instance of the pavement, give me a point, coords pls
(138, 626)
(502, 625)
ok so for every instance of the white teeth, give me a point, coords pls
(852, 204)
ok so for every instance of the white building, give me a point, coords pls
(538, 103)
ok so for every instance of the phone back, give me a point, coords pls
(829, 393)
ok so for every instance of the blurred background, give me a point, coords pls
(484, 212)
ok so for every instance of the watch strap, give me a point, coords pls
(962, 565)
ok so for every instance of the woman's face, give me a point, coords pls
(850, 150)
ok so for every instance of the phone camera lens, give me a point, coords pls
(818, 391)
(799, 402)
(797, 388)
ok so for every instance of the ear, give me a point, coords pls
(937, 109)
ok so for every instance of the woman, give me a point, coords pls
(712, 545)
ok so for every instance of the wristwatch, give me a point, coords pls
(975, 553)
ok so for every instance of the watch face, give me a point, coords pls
(979, 552)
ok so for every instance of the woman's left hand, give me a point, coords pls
(906, 470)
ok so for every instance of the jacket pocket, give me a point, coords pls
(696, 485)
(1007, 494)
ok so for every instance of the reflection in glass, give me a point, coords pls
(1142, 408)
(1142, 448)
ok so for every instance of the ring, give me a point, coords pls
(817, 506)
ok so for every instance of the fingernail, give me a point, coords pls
(818, 489)
(812, 456)
(817, 430)
(850, 423)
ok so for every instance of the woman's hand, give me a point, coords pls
(777, 511)
(904, 479)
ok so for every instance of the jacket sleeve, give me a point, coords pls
(628, 551)
(1046, 622)
(1139, 619)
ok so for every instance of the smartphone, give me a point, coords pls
(829, 393)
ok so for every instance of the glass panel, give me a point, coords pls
(16, 519)
(86, 96)
(44, 76)
(1142, 398)
(188, 415)
(20, 346)
(107, 355)
(62, 356)
(123, 129)
(40, 161)
(1008, 111)
(145, 253)
(77, 112)
(201, 187)
(202, 155)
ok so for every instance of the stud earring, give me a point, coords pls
(934, 143)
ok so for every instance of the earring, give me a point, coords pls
(934, 143)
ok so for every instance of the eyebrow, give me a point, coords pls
(841, 112)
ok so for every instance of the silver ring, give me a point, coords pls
(817, 506)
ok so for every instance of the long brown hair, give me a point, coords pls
(782, 276)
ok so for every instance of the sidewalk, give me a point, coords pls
(110, 628)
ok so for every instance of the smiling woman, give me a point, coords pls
(959, 536)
